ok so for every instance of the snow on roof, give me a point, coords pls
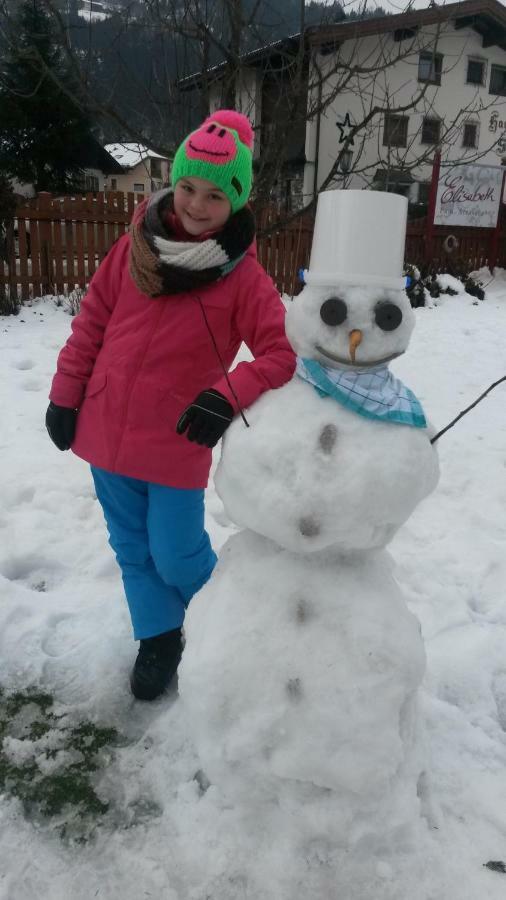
(130, 154)
(248, 57)
(95, 10)
(93, 15)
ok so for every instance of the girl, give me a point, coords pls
(142, 390)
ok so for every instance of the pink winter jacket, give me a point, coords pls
(133, 364)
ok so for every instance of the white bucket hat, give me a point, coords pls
(359, 238)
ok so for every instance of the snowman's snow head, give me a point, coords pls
(354, 310)
(347, 325)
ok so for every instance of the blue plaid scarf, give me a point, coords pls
(374, 393)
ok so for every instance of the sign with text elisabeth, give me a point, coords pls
(469, 195)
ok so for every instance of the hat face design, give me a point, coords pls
(219, 151)
(213, 144)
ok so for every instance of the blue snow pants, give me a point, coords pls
(161, 546)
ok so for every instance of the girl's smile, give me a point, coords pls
(200, 206)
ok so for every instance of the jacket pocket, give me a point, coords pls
(153, 408)
(96, 384)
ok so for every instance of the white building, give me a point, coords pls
(144, 171)
(408, 83)
(397, 86)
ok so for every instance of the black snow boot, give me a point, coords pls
(156, 664)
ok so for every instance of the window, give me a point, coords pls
(156, 168)
(91, 183)
(470, 134)
(431, 130)
(267, 134)
(114, 184)
(423, 191)
(345, 161)
(393, 180)
(475, 71)
(287, 199)
(395, 131)
(497, 81)
(430, 66)
(402, 189)
(139, 188)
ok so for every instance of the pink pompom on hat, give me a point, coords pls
(236, 120)
(220, 151)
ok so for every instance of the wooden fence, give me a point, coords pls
(475, 246)
(55, 244)
(284, 250)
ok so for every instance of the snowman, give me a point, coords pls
(303, 663)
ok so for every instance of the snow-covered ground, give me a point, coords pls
(64, 628)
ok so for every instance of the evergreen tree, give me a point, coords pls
(9, 302)
(43, 134)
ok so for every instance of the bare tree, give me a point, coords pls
(221, 51)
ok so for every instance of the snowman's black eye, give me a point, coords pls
(334, 311)
(388, 316)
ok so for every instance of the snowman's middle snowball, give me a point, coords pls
(311, 475)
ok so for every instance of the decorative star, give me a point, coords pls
(345, 127)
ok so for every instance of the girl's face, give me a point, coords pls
(200, 206)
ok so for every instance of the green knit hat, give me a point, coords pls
(219, 151)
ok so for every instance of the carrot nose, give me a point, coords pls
(354, 341)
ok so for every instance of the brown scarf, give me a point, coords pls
(161, 265)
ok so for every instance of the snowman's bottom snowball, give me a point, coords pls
(305, 669)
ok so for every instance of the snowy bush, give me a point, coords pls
(71, 301)
(9, 302)
(430, 281)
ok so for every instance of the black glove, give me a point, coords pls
(61, 425)
(207, 418)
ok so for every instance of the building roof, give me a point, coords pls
(487, 17)
(256, 57)
(93, 156)
(130, 154)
